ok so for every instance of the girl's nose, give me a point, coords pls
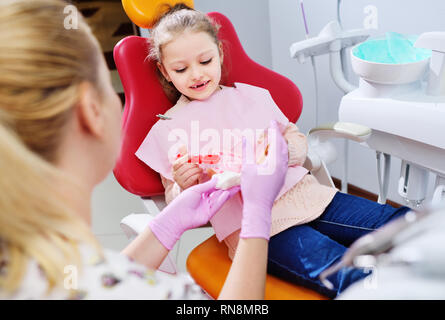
(196, 73)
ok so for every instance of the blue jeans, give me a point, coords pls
(299, 254)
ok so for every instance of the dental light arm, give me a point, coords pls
(331, 39)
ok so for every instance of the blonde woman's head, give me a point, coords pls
(42, 67)
(52, 79)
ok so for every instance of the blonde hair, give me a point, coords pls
(177, 20)
(41, 67)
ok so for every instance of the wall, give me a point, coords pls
(251, 21)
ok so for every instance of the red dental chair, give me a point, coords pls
(208, 263)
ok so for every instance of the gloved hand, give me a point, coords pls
(194, 207)
(261, 183)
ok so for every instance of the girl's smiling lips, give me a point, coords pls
(200, 86)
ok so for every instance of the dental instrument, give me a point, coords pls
(411, 245)
(162, 117)
(314, 68)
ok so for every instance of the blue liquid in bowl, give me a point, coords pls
(394, 49)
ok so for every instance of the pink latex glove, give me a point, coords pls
(192, 208)
(261, 183)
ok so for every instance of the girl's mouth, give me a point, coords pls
(201, 86)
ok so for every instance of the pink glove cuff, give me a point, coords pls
(164, 234)
(256, 222)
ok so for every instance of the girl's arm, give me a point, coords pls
(296, 144)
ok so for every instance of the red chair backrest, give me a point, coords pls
(144, 99)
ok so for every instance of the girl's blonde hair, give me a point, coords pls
(42, 64)
(175, 21)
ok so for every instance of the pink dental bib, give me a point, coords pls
(216, 126)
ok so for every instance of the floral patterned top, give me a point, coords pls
(113, 277)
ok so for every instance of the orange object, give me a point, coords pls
(145, 12)
(209, 264)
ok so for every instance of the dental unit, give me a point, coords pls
(400, 98)
(406, 114)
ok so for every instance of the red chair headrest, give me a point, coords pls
(144, 99)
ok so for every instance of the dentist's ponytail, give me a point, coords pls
(41, 67)
(34, 220)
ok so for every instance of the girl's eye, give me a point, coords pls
(180, 70)
(207, 61)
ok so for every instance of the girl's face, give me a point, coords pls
(192, 62)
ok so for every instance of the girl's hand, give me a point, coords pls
(186, 174)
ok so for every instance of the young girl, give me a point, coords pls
(312, 224)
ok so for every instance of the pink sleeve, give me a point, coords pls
(297, 145)
(154, 149)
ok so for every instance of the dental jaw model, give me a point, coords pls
(225, 167)
(406, 115)
(227, 180)
(214, 165)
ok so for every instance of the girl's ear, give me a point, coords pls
(163, 71)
